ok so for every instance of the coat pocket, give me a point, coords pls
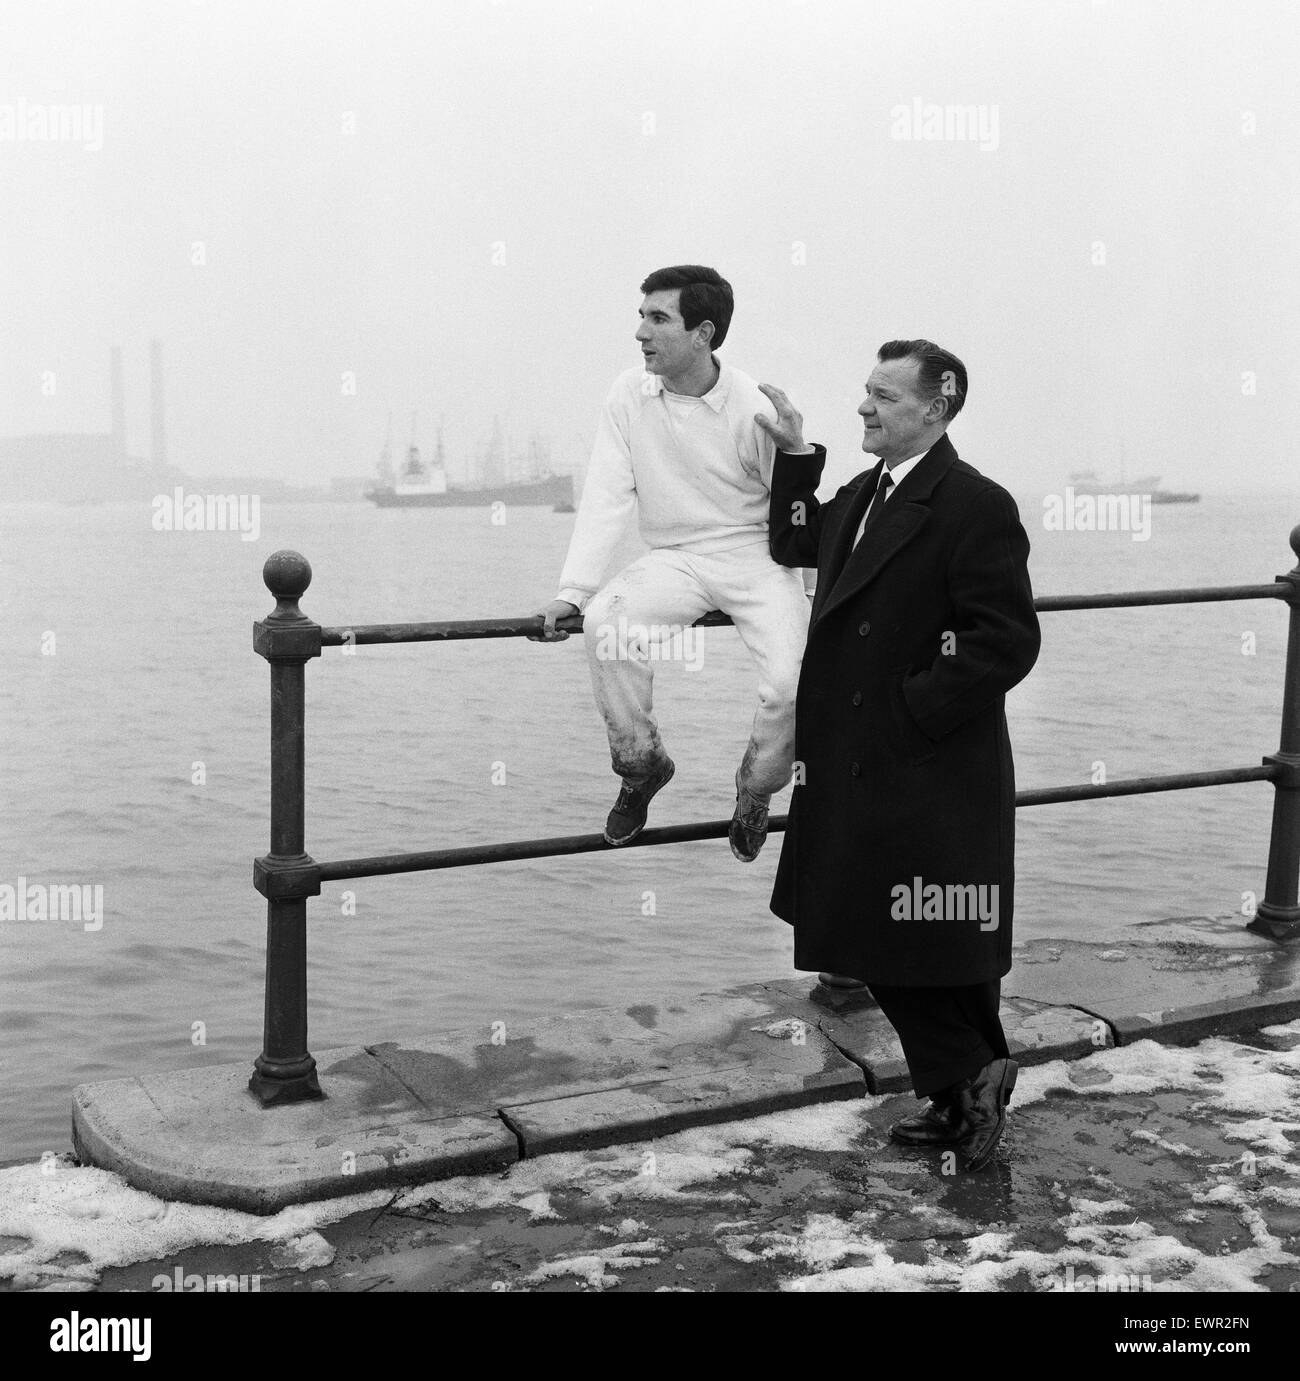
(913, 744)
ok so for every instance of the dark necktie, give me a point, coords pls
(877, 503)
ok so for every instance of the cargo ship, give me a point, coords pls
(422, 484)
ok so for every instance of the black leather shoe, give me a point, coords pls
(627, 819)
(748, 824)
(981, 1107)
(938, 1125)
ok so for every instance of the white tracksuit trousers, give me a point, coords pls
(630, 623)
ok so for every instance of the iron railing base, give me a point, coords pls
(1277, 922)
(274, 1085)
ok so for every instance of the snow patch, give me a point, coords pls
(1174, 1148)
(788, 1030)
(95, 1215)
(537, 1205)
(598, 1268)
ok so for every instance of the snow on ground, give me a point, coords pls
(61, 1225)
(64, 1224)
(1258, 1090)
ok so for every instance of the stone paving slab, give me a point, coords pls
(1228, 932)
(602, 1050)
(202, 1137)
(867, 1038)
(1182, 980)
(643, 1112)
(1036, 1032)
(1176, 961)
(1179, 1025)
(1042, 1031)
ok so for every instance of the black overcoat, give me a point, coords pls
(903, 780)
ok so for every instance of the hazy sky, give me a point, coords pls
(455, 203)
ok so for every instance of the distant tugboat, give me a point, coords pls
(425, 486)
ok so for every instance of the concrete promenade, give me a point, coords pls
(477, 1102)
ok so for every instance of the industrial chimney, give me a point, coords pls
(159, 448)
(119, 401)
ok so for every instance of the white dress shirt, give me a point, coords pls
(897, 473)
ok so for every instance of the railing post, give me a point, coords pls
(1279, 913)
(285, 1071)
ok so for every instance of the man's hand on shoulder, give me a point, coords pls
(787, 430)
(556, 609)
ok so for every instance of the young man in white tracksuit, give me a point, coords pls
(681, 443)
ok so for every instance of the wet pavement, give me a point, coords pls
(473, 1101)
(1142, 1168)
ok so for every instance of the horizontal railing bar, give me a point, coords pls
(522, 626)
(1050, 604)
(1137, 786)
(526, 848)
(432, 859)
(458, 630)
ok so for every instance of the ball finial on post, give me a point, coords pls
(287, 574)
(1295, 543)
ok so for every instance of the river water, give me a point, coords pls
(134, 749)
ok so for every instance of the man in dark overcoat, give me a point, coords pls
(897, 867)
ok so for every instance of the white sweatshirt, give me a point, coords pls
(697, 470)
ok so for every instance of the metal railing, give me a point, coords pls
(287, 876)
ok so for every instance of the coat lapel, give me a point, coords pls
(839, 539)
(906, 513)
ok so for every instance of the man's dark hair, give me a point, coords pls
(942, 374)
(706, 296)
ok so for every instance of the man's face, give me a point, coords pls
(668, 347)
(894, 412)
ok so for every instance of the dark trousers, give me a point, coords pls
(947, 1034)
